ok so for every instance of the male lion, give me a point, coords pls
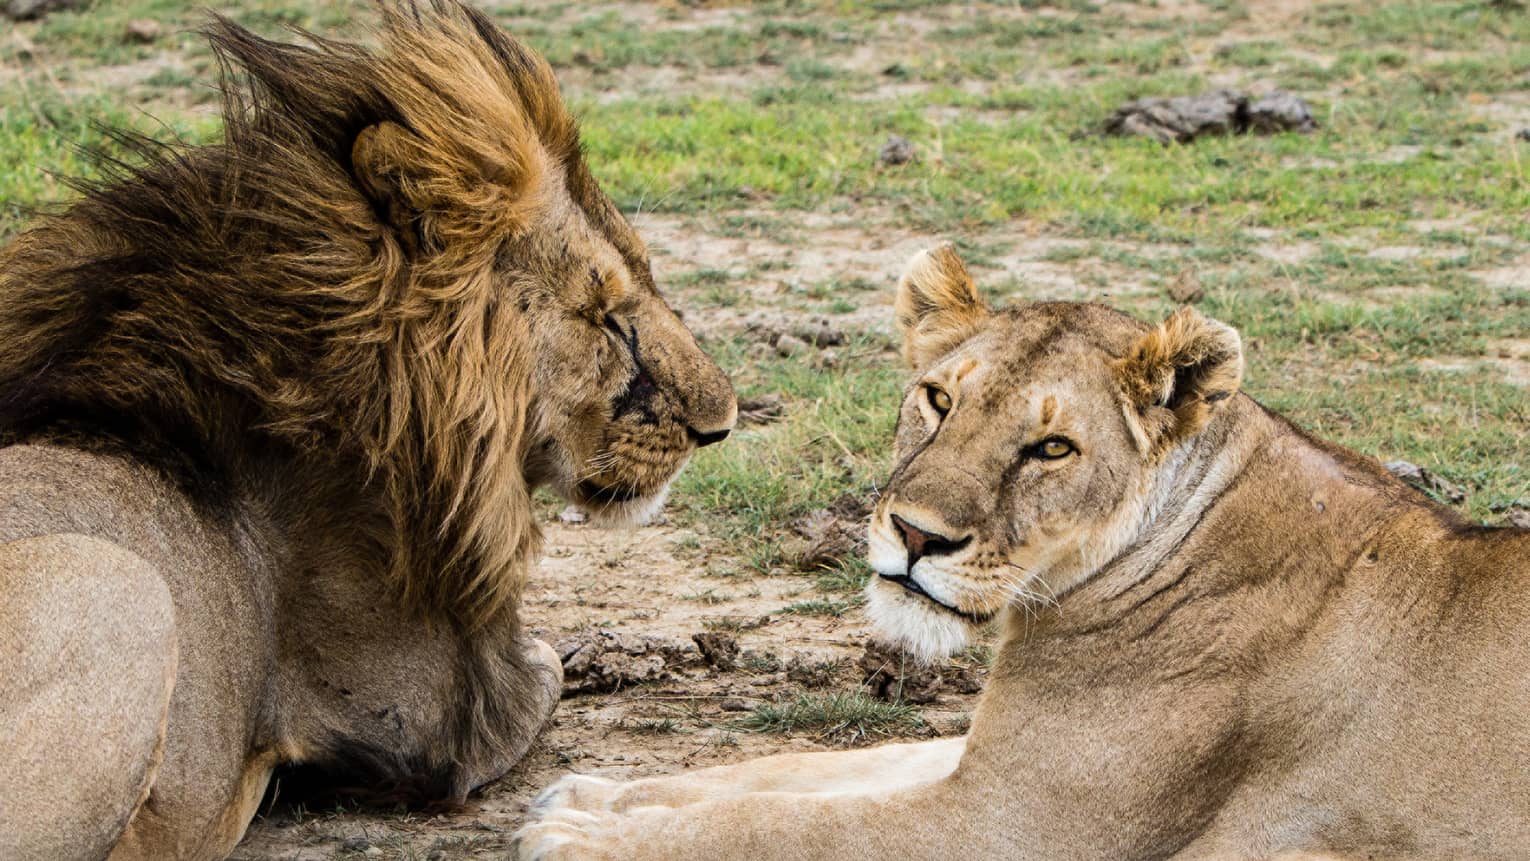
(1223, 638)
(273, 411)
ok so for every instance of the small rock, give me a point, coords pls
(736, 704)
(1523, 134)
(717, 649)
(142, 31)
(760, 350)
(1427, 481)
(371, 851)
(1186, 287)
(572, 515)
(790, 345)
(898, 150)
(31, 10)
(356, 844)
(1519, 517)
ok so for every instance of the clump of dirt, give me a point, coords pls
(603, 661)
(815, 331)
(1427, 481)
(762, 410)
(717, 649)
(1182, 119)
(898, 150)
(895, 676)
(31, 10)
(825, 537)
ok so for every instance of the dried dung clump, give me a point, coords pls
(895, 676)
(602, 661)
(1427, 481)
(31, 10)
(828, 536)
(898, 150)
(1182, 119)
(718, 649)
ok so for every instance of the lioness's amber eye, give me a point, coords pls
(939, 400)
(1054, 448)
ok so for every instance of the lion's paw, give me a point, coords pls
(576, 792)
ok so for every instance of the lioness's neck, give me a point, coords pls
(1251, 507)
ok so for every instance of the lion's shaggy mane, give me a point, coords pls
(243, 315)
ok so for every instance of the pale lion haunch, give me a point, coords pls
(1223, 638)
(272, 411)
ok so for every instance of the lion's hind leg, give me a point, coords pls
(87, 663)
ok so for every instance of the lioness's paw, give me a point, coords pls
(567, 835)
(575, 792)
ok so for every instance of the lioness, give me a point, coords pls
(1222, 637)
(273, 411)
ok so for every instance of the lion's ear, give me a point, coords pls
(1178, 375)
(432, 185)
(938, 306)
(379, 160)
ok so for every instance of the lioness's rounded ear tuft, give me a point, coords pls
(938, 306)
(1185, 370)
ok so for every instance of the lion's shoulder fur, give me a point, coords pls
(238, 315)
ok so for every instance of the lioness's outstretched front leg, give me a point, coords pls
(912, 823)
(876, 769)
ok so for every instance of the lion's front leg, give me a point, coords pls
(878, 769)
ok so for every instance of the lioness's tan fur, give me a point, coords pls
(271, 411)
(1223, 638)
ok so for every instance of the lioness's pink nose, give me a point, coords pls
(921, 544)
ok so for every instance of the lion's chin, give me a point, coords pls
(619, 514)
(913, 624)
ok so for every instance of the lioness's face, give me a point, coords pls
(1023, 460)
(623, 394)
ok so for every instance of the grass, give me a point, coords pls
(843, 718)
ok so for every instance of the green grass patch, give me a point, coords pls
(842, 718)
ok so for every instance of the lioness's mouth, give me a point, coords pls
(912, 585)
(600, 494)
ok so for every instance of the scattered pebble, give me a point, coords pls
(738, 704)
(573, 514)
(898, 150)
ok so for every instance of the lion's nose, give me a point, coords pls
(921, 543)
(705, 439)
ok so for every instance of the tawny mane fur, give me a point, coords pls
(248, 302)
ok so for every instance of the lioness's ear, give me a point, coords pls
(938, 306)
(1178, 375)
(378, 160)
